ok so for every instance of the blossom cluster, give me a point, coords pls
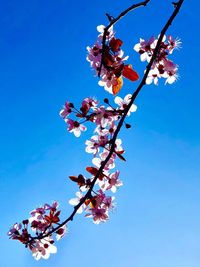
(108, 61)
(45, 220)
(42, 221)
(97, 204)
(162, 67)
(102, 178)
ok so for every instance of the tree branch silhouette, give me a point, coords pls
(177, 7)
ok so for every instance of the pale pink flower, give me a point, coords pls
(75, 127)
(145, 48)
(103, 117)
(94, 55)
(67, 109)
(103, 204)
(61, 232)
(95, 143)
(153, 76)
(113, 64)
(114, 182)
(43, 248)
(108, 81)
(170, 71)
(118, 145)
(173, 43)
(38, 212)
(109, 165)
(38, 221)
(162, 67)
(108, 203)
(98, 215)
(53, 206)
(90, 102)
(14, 230)
(124, 102)
(101, 28)
(75, 201)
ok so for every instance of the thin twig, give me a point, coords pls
(112, 21)
(112, 149)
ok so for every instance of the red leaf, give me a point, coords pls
(57, 213)
(108, 59)
(118, 71)
(52, 218)
(80, 180)
(93, 171)
(115, 44)
(129, 73)
(84, 109)
(120, 152)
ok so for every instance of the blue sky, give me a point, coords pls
(43, 49)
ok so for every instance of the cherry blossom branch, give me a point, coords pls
(88, 195)
(112, 22)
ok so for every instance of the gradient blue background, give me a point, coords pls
(42, 63)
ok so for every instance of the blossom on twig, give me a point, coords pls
(108, 59)
(162, 67)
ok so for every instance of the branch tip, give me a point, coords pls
(110, 18)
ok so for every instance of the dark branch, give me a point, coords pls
(112, 149)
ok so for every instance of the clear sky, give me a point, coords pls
(157, 218)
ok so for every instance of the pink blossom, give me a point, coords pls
(94, 56)
(124, 102)
(14, 230)
(43, 217)
(76, 201)
(170, 71)
(101, 28)
(114, 182)
(61, 232)
(67, 109)
(95, 143)
(118, 146)
(38, 212)
(113, 63)
(103, 116)
(90, 102)
(162, 67)
(153, 76)
(53, 206)
(109, 165)
(173, 43)
(19, 232)
(75, 127)
(43, 248)
(102, 205)
(109, 131)
(145, 48)
(98, 214)
(108, 203)
(108, 81)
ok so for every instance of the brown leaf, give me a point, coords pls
(116, 88)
